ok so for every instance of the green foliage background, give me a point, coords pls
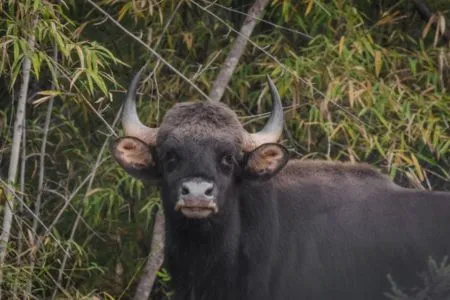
(363, 81)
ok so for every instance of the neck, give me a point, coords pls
(203, 253)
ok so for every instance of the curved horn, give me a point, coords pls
(131, 124)
(274, 127)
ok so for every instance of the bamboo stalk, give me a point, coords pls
(42, 154)
(15, 153)
(21, 201)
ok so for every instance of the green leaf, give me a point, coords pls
(36, 62)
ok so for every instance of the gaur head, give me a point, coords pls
(199, 154)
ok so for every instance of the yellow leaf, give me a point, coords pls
(351, 94)
(188, 39)
(123, 11)
(378, 63)
(417, 166)
(404, 158)
(41, 100)
(427, 27)
(341, 44)
(80, 56)
(442, 23)
(2, 196)
(50, 93)
(93, 191)
(309, 7)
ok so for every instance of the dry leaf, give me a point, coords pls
(428, 26)
(188, 39)
(341, 44)
(378, 63)
(309, 7)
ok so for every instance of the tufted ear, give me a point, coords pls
(135, 156)
(265, 161)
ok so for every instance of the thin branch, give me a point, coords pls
(237, 50)
(149, 48)
(48, 117)
(259, 19)
(155, 259)
(158, 42)
(63, 209)
(12, 192)
(61, 288)
(15, 152)
(166, 26)
(203, 69)
(56, 219)
(111, 130)
(37, 203)
(77, 212)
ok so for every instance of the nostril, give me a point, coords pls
(197, 189)
(209, 191)
(184, 191)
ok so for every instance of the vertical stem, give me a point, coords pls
(21, 195)
(48, 117)
(22, 192)
(237, 50)
(15, 153)
(155, 259)
(37, 204)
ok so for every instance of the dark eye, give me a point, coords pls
(171, 161)
(226, 162)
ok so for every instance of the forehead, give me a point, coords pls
(200, 121)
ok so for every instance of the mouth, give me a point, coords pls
(196, 208)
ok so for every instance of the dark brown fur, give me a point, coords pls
(200, 120)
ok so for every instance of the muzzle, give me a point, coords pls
(197, 198)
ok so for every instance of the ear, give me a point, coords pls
(135, 156)
(265, 161)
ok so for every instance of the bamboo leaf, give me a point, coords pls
(75, 77)
(378, 63)
(52, 93)
(341, 44)
(309, 7)
(188, 39)
(427, 27)
(417, 167)
(36, 62)
(442, 26)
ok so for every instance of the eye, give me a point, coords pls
(226, 162)
(171, 161)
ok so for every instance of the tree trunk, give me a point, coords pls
(155, 260)
(237, 50)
